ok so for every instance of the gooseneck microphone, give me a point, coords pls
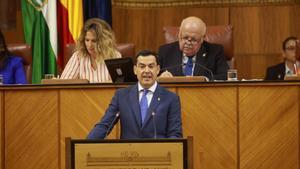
(196, 64)
(205, 68)
(111, 126)
(154, 125)
(171, 67)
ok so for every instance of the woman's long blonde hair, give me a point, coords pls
(105, 39)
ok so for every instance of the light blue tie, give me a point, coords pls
(144, 105)
(188, 71)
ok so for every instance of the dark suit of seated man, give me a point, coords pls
(290, 64)
(130, 105)
(191, 55)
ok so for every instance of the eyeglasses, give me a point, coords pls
(190, 40)
(290, 48)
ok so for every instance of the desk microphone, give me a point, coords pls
(111, 126)
(184, 64)
(171, 67)
(154, 125)
(205, 68)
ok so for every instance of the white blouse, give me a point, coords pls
(80, 67)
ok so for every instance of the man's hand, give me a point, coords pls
(166, 74)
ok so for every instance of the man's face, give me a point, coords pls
(146, 70)
(190, 40)
(289, 52)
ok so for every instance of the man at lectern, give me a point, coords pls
(145, 110)
(191, 55)
(289, 66)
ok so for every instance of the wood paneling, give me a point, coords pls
(254, 65)
(143, 26)
(8, 10)
(31, 129)
(80, 110)
(269, 127)
(258, 35)
(234, 125)
(258, 30)
(16, 34)
(212, 114)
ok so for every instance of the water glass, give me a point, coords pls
(49, 76)
(232, 75)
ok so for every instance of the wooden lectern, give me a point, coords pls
(129, 154)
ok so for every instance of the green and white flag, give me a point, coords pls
(40, 31)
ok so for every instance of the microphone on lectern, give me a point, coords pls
(154, 124)
(110, 127)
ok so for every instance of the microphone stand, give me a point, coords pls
(110, 127)
(207, 69)
(154, 125)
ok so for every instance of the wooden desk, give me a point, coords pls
(238, 125)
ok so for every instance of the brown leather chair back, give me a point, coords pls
(68, 51)
(23, 50)
(126, 50)
(221, 34)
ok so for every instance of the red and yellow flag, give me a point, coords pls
(69, 23)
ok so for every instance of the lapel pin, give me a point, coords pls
(279, 76)
(204, 54)
(158, 99)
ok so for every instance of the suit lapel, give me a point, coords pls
(281, 72)
(154, 103)
(177, 60)
(134, 102)
(200, 59)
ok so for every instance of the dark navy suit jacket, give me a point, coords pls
(210, 56)
(167, 118)
(276, 72)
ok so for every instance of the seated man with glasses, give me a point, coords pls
(191, 55)
(290, 63)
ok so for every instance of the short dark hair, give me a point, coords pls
(144, 53)
(286, 41)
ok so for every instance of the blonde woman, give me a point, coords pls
(95, 44)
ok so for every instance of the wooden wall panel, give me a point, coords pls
(235, 126)
(80, 111)
(258, 30)
(31, 126)
(15, 35)
(8, 14)
(258, 35)
(210, 116)
(143, 26)
(269, 135)
(253, 66)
